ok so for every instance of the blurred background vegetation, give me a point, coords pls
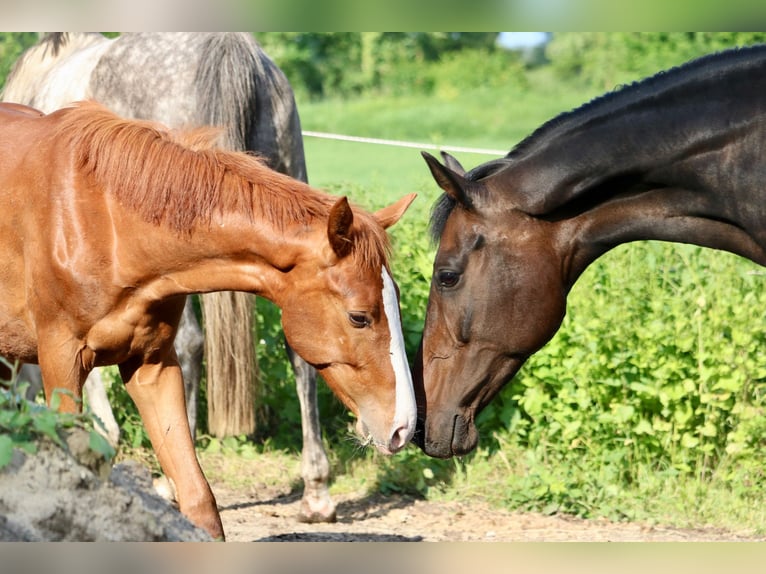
(649, 402)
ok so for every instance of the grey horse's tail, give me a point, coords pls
(226, 81)
(227, 85)
(241, 88)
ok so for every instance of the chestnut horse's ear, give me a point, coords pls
(339, 227)
(452, 182)
(391, 214)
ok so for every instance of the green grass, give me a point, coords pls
(463, 116)
(372, 175)
(460, 115)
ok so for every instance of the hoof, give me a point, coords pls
(316, 517)
(319, 513)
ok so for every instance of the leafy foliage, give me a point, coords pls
(23, 423)
(12, 44)
(609, 59)
(350, 63)
(656, 368)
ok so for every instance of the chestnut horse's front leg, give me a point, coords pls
(158, 391)
(60, 368)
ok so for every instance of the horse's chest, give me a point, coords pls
(139, 330)
(16, 340)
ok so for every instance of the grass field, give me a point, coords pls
(477, 117)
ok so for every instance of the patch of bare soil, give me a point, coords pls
(269, 514)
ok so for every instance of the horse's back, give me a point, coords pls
(21, 130)
(55, 71)
(10, 109)
(36, 171)
(151, 75)
(201, 79)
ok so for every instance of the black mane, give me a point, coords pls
(706, 66)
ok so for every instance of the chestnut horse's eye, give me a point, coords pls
(447, 278)
(358, 319)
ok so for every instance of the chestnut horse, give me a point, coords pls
(183, 80)
(109, 223)
(678, 157)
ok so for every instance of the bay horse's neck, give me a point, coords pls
(676, 158)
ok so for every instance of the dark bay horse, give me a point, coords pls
(108, 224)
(678, 157)
(180, 80)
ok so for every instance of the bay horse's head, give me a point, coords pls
(496, 297)
(340, 312)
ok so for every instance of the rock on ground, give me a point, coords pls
(53, 496)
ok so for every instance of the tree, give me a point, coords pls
(607, 59)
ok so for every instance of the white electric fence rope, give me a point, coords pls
(397, 143)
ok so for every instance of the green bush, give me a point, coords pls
(12, 44)
(657, 367)
(23, 423)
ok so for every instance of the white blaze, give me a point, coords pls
(406, 412)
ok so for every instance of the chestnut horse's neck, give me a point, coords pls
(189, 218)
(677, 158)
(228, 255)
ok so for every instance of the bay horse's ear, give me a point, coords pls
(339, 227)
(391, 214)
(452, 182)
(452, 163)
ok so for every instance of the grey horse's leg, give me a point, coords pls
(316, 505)
(95, 391)
(189, 344)
(30, 374)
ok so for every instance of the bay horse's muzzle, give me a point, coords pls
(446, 435)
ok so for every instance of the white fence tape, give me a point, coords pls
(457, 149)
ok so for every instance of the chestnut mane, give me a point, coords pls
(179, 179)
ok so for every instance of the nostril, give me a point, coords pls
(400, 438)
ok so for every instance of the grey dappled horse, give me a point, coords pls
(184, 80)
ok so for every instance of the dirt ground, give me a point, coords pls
(65, 495)
(268, 513)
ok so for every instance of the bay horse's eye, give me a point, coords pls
(358, 319)
(447, 278)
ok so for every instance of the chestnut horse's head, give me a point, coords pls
(340, 312)
(496, 297)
